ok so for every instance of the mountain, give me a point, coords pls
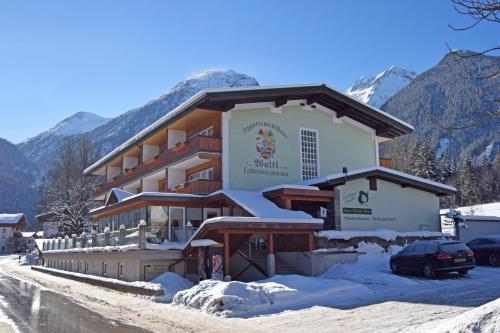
(109, 133)
(121, 128)
(42, 148)
(17, 176)
(376, 90)
(451, 94)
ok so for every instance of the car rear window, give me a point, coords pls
(453, 247)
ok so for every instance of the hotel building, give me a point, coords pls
(233, 177)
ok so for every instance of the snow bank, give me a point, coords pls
(388, 235)
(172, 283)
(484, 319)
(279, 293)
(371, 268)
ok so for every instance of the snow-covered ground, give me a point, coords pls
(357, 297)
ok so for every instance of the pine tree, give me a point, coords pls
(467, 184)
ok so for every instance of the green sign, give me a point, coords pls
(364, 211)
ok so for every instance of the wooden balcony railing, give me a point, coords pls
(385, 162)
(198, 186)
(194, 145)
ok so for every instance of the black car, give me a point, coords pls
(433, 257)
(486, 250)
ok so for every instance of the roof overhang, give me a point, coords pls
(226, 99)
(393, 176)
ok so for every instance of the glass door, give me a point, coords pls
(176, 224)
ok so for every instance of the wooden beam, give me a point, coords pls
(271, 242)
(227, 271)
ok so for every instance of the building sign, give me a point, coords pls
(269, 139)
(357, 206)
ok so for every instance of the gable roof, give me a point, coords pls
(117, 195)
(384, 174)
(11, 218)
(225, 99)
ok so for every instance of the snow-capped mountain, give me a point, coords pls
(110, 133)
(123, 127)
(376, 90)
(78, 123)
(446, 96)
(41, 148)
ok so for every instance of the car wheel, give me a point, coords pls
(463, 271)
(494, 259)
(395, 268)
(429, 271)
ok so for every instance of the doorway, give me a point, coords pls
(176, 223)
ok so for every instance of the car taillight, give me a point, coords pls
(470, 254)
(443, 256)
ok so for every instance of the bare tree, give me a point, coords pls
(66, 192)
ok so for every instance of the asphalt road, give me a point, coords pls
(37, 310)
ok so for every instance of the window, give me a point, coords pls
(104, 269)
(431, 247)
(420, 247)
(204, 174)
(309, 153)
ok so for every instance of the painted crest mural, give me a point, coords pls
(266, 145)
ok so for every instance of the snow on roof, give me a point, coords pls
(489, 209)
(199, 96)
(385, 234)
(119, 194)
(39, 233)
(257, 205)
(155, 194)
(354, 173)
(252, 219)
(10, 218)
(290, 186)
(28, 234)
(471, 218)
(203, 242)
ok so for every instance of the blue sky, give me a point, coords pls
(107, 57)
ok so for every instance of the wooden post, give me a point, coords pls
(271, 243)
(311, 242)
(288, 204)
(227, 271)
(231, 210)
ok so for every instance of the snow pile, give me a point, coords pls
(172, 283)
(371, 268)
(279, 293)
(388, 235)
(485, 319)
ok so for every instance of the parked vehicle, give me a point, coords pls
(433, 257)
(486, 250)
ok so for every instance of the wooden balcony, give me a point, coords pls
(197, 144)
(198, 186)
(385, 162)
